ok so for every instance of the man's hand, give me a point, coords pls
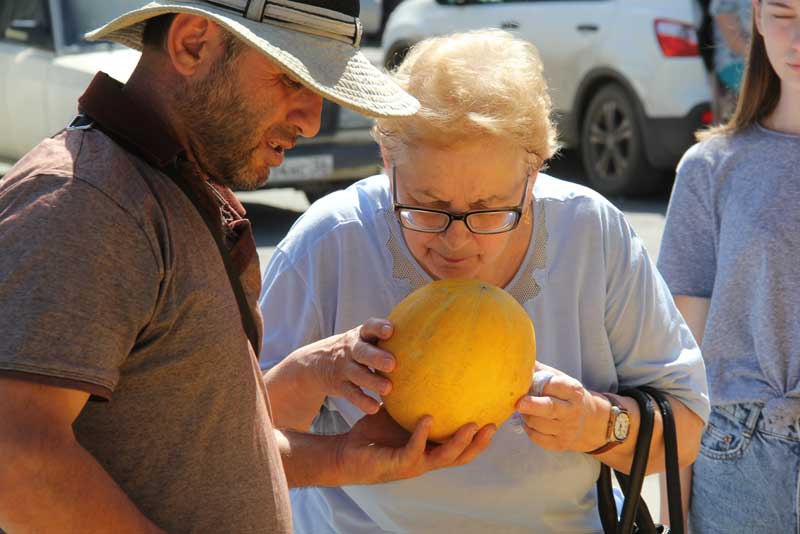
(378, 450)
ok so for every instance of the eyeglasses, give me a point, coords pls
(485, 221)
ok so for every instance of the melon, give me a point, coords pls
(465, 352)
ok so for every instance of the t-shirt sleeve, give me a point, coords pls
(687, 258)
(78, 281)
(292, 318)
(649, 339)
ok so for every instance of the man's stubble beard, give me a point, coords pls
(222, 131)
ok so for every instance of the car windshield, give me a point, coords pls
(82, 16)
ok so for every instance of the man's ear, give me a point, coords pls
(193, 44)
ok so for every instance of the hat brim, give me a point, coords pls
(336, 70)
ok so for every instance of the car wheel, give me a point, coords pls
(612, 145)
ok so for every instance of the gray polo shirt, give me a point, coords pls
(113, 288)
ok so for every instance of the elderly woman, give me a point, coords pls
(464, 197)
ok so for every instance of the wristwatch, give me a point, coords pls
(619, 425)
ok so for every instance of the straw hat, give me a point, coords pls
(319, 45)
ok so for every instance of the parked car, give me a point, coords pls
(628, 85)
(45, 65)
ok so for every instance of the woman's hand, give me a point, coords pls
(337, 366)
(344, 364)
(563, 416)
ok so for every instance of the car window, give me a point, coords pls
(83, 16)
(26, 22)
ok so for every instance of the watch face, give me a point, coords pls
(622, 426)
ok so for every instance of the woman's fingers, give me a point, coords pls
(545, 441)
(548, 427)
(358, 398)
(544, 407)
(363, 377)
(369, 355)
(375, 329)
(564, 387)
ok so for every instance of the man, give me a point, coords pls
(130, 395)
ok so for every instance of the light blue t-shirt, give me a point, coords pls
(733, 235)
(601, 312)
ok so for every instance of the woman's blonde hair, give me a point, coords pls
(473, 84)
(760, 92)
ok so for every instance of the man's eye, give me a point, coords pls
(291, 83)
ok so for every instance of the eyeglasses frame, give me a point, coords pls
(397, 207)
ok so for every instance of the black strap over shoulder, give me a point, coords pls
(215, 229)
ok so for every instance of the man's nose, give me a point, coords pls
(306, 114)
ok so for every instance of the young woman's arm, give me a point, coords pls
(695, 313)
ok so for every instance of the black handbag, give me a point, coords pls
(635, 518)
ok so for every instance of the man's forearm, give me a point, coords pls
(309, 459)
(62, 488)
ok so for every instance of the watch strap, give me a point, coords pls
(610, 441)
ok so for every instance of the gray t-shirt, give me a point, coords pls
(733, 235)
(118, 290)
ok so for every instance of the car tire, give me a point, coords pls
(612, 145)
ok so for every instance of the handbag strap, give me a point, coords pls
(671, 459)
(634, 507)
(632, 483)
(606, 504)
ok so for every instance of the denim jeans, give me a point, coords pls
(746, 478)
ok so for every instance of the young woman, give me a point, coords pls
(729, 255)
(464, 198)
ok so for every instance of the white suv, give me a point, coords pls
(628, 84)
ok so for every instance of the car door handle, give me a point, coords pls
(585, 28)
(510, 25)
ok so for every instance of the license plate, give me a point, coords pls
(302, 169)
